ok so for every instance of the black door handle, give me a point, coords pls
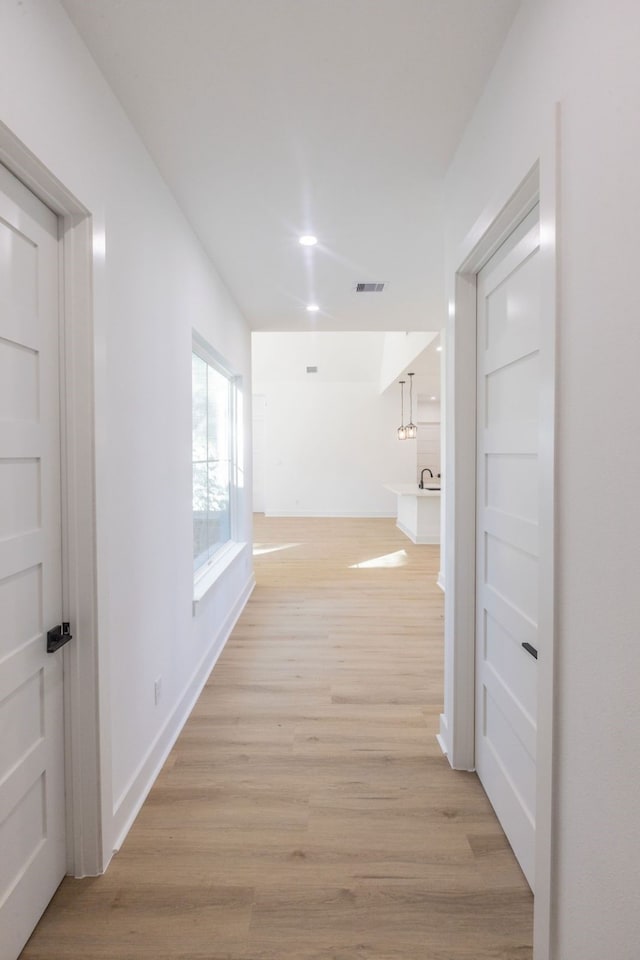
(58, 636)
(531, 650)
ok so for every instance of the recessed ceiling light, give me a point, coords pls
(313, 307)
(438, 349)
(434, 398)
(308, 240)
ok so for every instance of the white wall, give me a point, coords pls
(400, 350)
(428, 439)
(428, 444)
(330, 437)
(153, 286)
(428, 412)
(259, 411)
(584, 55)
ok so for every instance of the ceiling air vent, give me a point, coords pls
(312, 369)
(369, 287)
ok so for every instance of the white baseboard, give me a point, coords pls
(129, 804)
(443, 736)
(433, 541)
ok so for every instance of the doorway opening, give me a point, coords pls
(74, 252)
(464, 443)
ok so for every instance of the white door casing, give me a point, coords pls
(497, 220)
(32, 785)
(507, 539)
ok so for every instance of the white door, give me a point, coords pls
(508, 484)
(32, 814)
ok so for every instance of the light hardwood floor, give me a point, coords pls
(306, 812)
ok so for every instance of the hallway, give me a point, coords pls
(306, 812)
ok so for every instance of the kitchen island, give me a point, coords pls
(418, 511)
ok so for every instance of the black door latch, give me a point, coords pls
(57, 637)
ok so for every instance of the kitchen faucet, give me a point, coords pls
(422, 473)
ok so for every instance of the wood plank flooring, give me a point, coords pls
(306, 812)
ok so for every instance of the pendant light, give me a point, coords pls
(402, 430)
(411, 429)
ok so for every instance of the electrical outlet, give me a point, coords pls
(157, 690)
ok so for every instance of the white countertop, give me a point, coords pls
(410, 490)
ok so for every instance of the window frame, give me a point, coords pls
(206, 574)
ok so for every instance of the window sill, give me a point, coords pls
(207, 576)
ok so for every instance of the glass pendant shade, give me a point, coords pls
(402, 430)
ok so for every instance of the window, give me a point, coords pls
(213, 455)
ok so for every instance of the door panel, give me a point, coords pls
(32, 834)
(503, 659)
(513, 573)
(512, 392)
(508, 485)
(511, 484)
(18, 382)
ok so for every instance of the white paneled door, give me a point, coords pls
(32, 814)
(508, 484)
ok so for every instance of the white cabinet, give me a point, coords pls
(418, 512)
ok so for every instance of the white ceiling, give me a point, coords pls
(272, 118)
(340, 357)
